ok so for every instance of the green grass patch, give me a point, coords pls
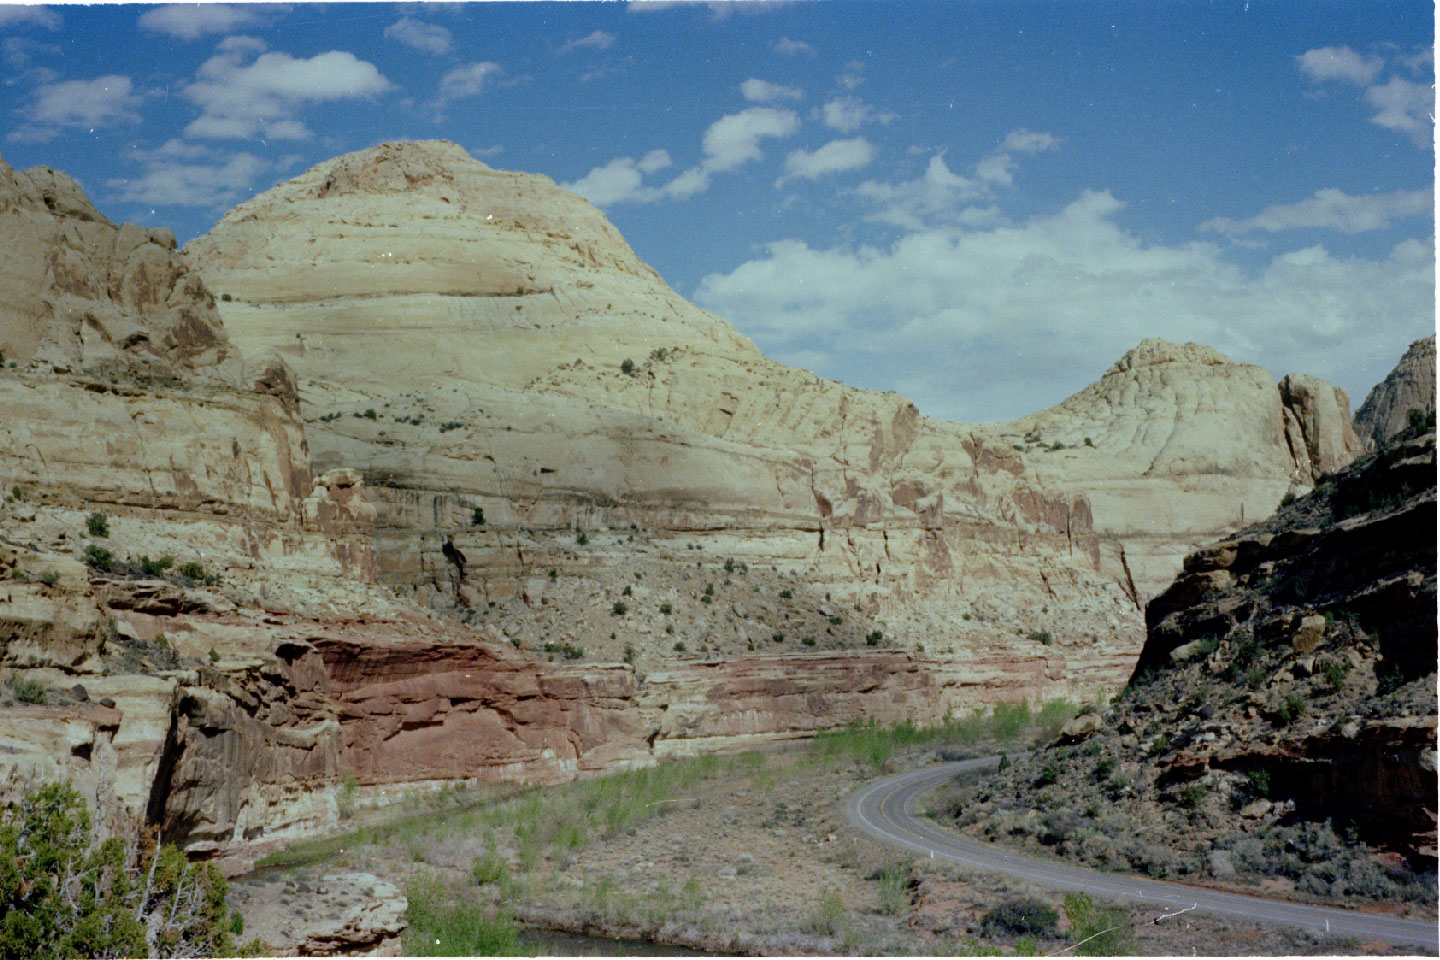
(440, 926)
(868, 741)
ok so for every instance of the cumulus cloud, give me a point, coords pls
(1333, 210)
(187, 21)
(763, 91)
(243, 91)
(467, 81)
(101, 102)
(14, 15)
(598, 40)
(734, 139)
(834, 157)
(789, 48)
(847, 113)
(1028, 141)
(430, 37)
(730, 142)
(992, 323)
(1399, 105)
(853, 76)
(941, 195)
(1406, 108)
(190, 175)
(1339, 63)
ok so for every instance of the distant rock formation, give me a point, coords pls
(477, 339)
(1410, 386)
(79, 293)
(1177, 444)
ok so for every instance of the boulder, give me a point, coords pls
(1309, 633)
(1081, 727)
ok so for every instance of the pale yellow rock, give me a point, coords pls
(1410, 386)
(1309, 633)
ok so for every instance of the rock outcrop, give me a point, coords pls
(1177, 444)
(534, 373)
(1285, 694)
(1410, 386)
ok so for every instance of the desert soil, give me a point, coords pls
(755, 859)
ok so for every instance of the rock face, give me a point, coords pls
(1177, 444)
(535, 371)
(77, 292)
(1285, 694)
(1410, 386)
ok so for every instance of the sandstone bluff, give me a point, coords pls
(454, 487)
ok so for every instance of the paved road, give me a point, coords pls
(886, 809)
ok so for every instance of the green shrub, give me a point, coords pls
(581, 537)
(665, 609)
(619, 608)
(894, 888)
(1334, 673)
(829, 915)
(50, 578)
(785, 594)
(778, 637)
(370, 414)
(62, 895)
(808, 641)
(98, 524)
(477, 516)
(99, 558)
(1291, 710)
(1026, 916)
(1192, 794)
(1160, 744)
(490, 868)
(1050, 773)
(28, 691)
(195, 572)
(155, 568)
(627, 366)
(873, 638)
(1099, 931)
(679, 646)
(214, 655)
(226, 297)
(1259, 781)
(440, 927)
(1041, 636)
(1104, 768)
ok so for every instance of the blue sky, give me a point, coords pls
(980, 205)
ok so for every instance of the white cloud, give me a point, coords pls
(763, 91)
(244, 97)
(430, 37)
(654, 160)
(467, 81)
(853, 76)
(1339, 63)
(599, 40)
(787, 47)
(847, 113)
(14, 15)
(992, 323)
(729, 142)
(190, 175)
(735, 139)
(101, 102)
(1028, 141)
(1406, 108)
(834, 157)
(188, 21)
(936, 194)
(1333, 210)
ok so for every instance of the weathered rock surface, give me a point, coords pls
(1177, 444)
(323, 915)
(654, 419)
(1285, 695)
(1410, 386)
(79, 293)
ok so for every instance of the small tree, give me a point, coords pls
(98, 524)
(63, 895)
(627, 366)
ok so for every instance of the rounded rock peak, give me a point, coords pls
(394, 167)
(1153, 351)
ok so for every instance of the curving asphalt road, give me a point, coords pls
(886, 809)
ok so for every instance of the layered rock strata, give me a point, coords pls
(534, 373)
(1177, 444)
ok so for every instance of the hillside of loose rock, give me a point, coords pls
(1285, 698)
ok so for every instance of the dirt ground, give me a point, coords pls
(757, 859)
